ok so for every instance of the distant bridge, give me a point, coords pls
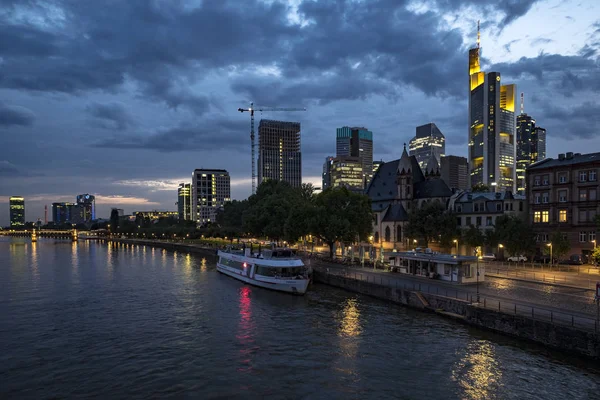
(34, 233)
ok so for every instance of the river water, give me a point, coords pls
(125, 321)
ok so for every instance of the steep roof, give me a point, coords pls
(431, 188)
(464, 196)
(404, 165)
(383, 185)
(395, 212)
(555, 162)
(432, 165)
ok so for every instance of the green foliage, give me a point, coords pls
(338, 214)
(432, 222)
(473, 237)
(481, 188)
(515, 235)
(595, 258)
(560, 245)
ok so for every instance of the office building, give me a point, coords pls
(87, 202)
(428, 141)
(120, 211)
(17, 212)
(279, 155)
(376, 165)
(155, 214)
(563, 196)
(65, 212)
(356, 142)
(491, 137)
(531, 147)
(326, 178)
(211, 189)
(184, 201)
(347, 172)
(455, 172)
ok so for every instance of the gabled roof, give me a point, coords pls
(464, 196)
(395, 212)
(383, 185)
(432, 165)
(577, 158)
(431, 188)
(404, 166)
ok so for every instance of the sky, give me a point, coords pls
(124, 99)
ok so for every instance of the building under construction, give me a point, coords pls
(279, 155)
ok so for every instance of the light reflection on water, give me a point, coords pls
(477, 372)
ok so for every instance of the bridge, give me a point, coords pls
(34, 234)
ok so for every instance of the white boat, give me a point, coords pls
(276, 269)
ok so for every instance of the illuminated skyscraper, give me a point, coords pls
(184, 201)
(531, 147)
(279, 155)
(17, 212)
(356, 142)
(492, 150)
(326, 181)
(65, 212)
(428, 141)
(211, 188)
(88, 206)
(347, 172)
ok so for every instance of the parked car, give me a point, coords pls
(517, 258)
(575, 259)
(544, 259)
(489, 257)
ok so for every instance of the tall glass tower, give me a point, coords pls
(279, 155)
(491, 137)
(531, 147)
(17, 212)
(428, 141)
(356, 142)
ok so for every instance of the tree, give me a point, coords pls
(432, 222)
(516, 235)
(560, 245)
(114, 220)
(595, 258)
(480, 187)
(338, 215)
(473, 237)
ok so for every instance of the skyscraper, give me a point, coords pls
(67, 213)
(326, 178)
(531, 146)
(87, 202)
(279, 155)
(492, 150)
(428, 141)
(184, 201)
(211, 188)
(17, 212)
(356, 142)
(455, 172)
(347, 172)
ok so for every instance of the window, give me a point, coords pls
(592, 236)
(562, 178)
(536, 181)
(582, 215)
(592, 215)
(582, 195)
(459, 208)
(562, 216)
(562, 196)
(592, 176)
(458, 221)
(545, 198)
(468, 223)
(545, 180)
(498, 206)
(545, 216)
(592, 195)
(478, 221)
(520, 206)
(476, 207)
(542, 237)
(582, 237)
(388, 234)
(537, 198)
(447, 269)
(537, 217)
(582, 176)
(399, 233)
(488, 221)
(467, 271)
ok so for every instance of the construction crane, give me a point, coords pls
(251, 110)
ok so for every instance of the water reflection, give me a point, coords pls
(477, 372)
(349, 334)
(75, 262)
(35, 271)
(246, 330)
(203, 265)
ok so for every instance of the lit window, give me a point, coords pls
(592, 236)
(537, 217)
(582, 237)
(562, 216)
(582, 195)
(545, 215)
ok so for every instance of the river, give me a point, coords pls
(125, 321)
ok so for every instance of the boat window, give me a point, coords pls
(279, 272)
(231, 263)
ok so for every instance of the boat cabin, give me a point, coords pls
(446, 267)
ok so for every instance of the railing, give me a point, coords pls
(542, 277)
(536, 313)
(585, 268)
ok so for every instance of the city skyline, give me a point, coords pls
(136, 132)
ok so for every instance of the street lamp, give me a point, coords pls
(594, 241)
(500, 246)
(550, 245)
(477, 276)
(456, 241)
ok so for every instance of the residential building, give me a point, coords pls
(87, 202)
(66, 212)
(347, 172)
(326, 178)
(491, 134)
(279, 155)
(455, 172)
(397, 187)
(155, 215)
(563, 196)
(211, 189)
(17, 212)
(356, 142)
(531, 147)
(184, 201)
(428, 141)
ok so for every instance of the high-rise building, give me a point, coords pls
(279, 155)
(347, 172)
(211, 188)
(155, 214)
(455, 172)
(356, 142)
(531, 147)
(184, 201)
(17, 212)
(66, 212)
(428, 141)
(326, 178)
(87, 202)
(492, 150)
(376, 165)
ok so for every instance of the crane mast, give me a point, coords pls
(252, 141)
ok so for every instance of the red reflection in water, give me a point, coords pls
(246, 330)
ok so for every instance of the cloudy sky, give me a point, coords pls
(123, 99)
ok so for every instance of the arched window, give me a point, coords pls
(376, 237)
(387, 234)
(399, 233)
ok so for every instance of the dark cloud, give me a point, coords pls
(15, 115)
(111, 115)
(8, 169)
(571, 123)
(509, 10)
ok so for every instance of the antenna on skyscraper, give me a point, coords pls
(522, 103)
(478, 35)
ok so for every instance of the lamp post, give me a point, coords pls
(550, 245)
(456, 241)
(477, 276)
(500, 246)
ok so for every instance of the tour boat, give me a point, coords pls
(276, 269)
